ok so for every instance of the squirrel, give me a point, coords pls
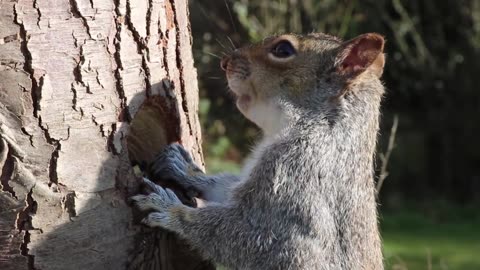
(305, 198)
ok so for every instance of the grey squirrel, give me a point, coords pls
(306, 197)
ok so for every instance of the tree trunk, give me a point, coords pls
(86, 88)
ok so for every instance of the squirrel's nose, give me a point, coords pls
(224, 62)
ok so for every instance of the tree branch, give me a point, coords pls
(384, 157)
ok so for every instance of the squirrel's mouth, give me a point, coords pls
(240, 85)
(243, 92)
(244, 101)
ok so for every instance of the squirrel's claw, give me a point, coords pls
(161, 200)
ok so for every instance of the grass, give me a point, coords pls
(447, 239)
(440, 236)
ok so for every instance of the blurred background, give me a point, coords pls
(430, 199)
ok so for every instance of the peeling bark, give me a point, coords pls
(78, 78)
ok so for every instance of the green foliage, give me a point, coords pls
(216, 165)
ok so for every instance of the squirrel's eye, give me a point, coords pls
(283, 49)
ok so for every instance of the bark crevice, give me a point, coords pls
(149, 19)
(24, 251)
(24, 223)
(77, 71)
(180, 66)
(142, 47)
(111, 140)
(124, 113)
(39, 13)
(68, 204)
(7, 166)
(52, 168)
(30, 136)
(27, 66)
(74, 97)
(75, 11)
(46, 132)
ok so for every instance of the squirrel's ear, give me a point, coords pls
(359, 54)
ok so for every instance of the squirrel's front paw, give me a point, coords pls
(175, 163)
(157, 219)
(160, 200)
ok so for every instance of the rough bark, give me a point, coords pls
(74, 76)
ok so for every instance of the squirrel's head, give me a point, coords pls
(305, 71)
